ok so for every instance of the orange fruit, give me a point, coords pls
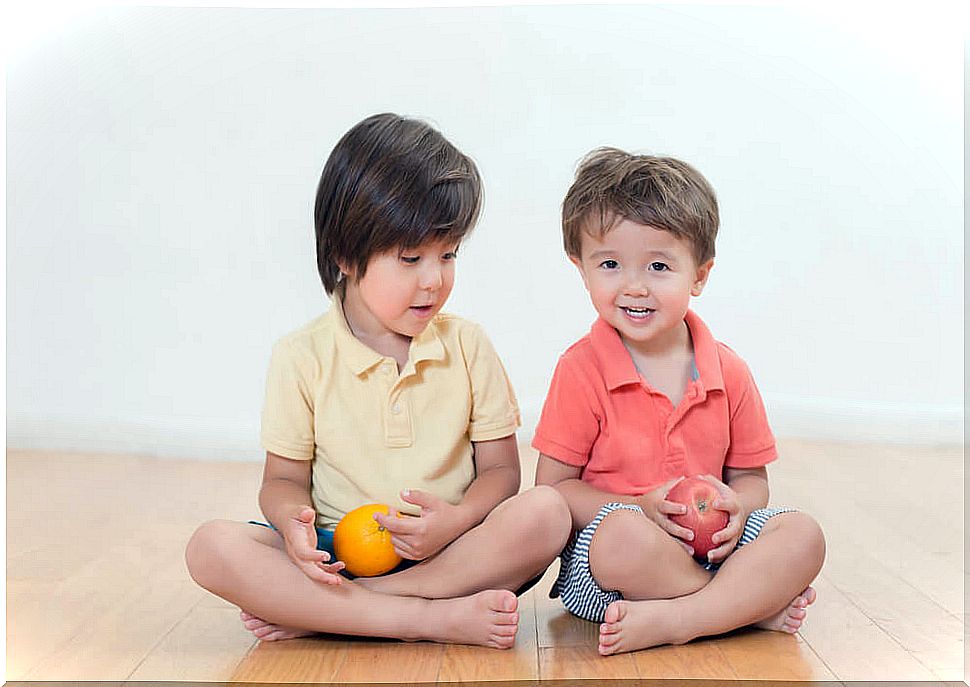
(362, 544)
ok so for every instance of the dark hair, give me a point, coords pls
(391, 182)
(661, 192)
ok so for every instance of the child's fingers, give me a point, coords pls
(333, 569)
(314, 572)
(677, 531)
(671, 508)
(398, 526)
(404, 549)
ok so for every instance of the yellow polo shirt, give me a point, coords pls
(372, 432)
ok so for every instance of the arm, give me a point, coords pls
(440, 523)
(750, 485)
(284, 498)
(497, 477)
(585, 500)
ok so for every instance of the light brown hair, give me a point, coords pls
(391, 182)
(662, 192)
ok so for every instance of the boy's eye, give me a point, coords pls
(410, 259)
(450, 256)
(609, 264)
(658, 266)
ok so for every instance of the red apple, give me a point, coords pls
(702, 518)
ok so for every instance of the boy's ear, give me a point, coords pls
(344, 267)
(579, 266)
(700, 279)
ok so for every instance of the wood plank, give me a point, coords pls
(462, 663)
(48, 617)
(918, 624)
(206, 646)
(583, 663)
(851, 645)
(312, 659)
(698, 660)
(764, 655)
(113, 644)
(383, 661)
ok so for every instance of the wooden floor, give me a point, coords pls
(97, 588)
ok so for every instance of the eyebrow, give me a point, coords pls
(653, 254)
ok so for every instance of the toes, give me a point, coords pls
(502, 641)
(254, 624)
(797, 613)
(609, 628)
(809, 595)
(265, 630)
(605, 649)
(614, 612)
(274, 636)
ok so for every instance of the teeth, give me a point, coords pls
(637, 312)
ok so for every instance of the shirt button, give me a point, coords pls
(396, 409)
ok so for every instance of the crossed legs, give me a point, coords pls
(669, 599)
(439, 601)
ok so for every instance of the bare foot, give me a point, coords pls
(488, 618)
(790, 619)
(632, 625)
(268, 632)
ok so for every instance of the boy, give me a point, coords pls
(386, 399)
(649, 397)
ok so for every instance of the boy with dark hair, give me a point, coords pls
(647, 398)
(386, 399)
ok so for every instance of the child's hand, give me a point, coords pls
(417, 538)
(656, 506)
(727, 538)
(300, 536)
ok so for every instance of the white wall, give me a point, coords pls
(161, 166)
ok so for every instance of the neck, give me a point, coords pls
(673, 343)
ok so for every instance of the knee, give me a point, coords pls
(547, 508)
(804, 531)
(624, 541)
(206, 549)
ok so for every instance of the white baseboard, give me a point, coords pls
(170, 437)
(220, 439)
(829, 419)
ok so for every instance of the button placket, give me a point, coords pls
(399, 430)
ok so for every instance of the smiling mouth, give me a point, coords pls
(637, 313)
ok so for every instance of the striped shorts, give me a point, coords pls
(580, 593)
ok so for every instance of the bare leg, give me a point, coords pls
(791, 548)
(246, 565)
(629, 553)
(516, 541)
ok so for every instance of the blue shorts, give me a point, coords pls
(580, 593)
(325, 543)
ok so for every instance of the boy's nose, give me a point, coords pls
(636, 286)
(431, 278)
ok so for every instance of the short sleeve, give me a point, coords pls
(752, 442)
(287, 419)
(495, 411)
(569, 424)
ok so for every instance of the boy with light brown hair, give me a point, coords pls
(647, 398)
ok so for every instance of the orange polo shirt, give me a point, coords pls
(601, 415)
